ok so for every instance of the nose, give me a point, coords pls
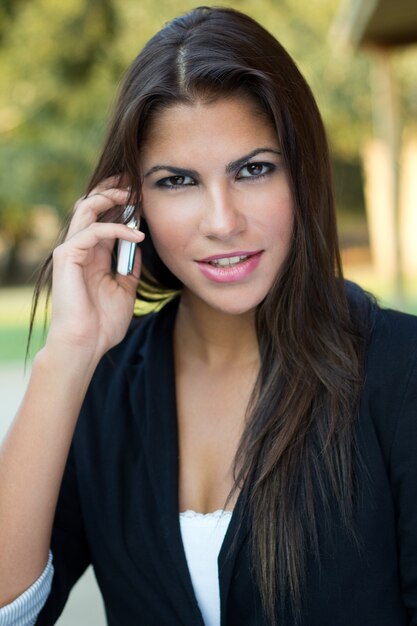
(222, 218)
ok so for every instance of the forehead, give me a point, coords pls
(224, 122)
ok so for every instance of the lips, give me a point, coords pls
(229, 255)
(230, 267)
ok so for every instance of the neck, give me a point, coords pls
(213, 337)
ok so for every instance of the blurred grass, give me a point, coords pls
(13, 341)
(15, 306)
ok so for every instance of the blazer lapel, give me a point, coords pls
(157, 414)
(235, 538)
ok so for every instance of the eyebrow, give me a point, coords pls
(230, 167)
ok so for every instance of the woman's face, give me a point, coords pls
(217, 201)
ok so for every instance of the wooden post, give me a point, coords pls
(408, 204)
(387, 128)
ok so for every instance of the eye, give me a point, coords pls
(255, 170)
(176, 181)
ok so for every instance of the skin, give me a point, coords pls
(215, 343)
(215, 209)
(90, 313)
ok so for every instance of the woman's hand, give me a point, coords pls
(91, 310)
(91, 307)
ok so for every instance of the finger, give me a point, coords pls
(118, 180)
(106, 184)
(88, 209)
(94, 196)
(97, 233)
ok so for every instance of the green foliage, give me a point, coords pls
(61, 63)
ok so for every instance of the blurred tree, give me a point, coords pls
(48, 126)
(60, 63)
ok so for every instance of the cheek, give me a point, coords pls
(286, 216)
(276, 213)
(285, 212)
(167, 233)
(171, 220)
(157, 218)
(163, 236)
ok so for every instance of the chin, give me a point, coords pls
(235, 304)
(226, 299)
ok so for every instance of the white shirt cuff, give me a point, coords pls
(25, 609)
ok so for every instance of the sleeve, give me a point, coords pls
(69, 546)
(404, 482)
(25, 609)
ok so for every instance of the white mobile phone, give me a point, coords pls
(126, 249)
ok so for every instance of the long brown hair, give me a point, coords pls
(296, 454)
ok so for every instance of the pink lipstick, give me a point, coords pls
(230, 267)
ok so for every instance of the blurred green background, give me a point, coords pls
(60, 65)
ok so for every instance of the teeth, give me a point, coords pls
(227, 262)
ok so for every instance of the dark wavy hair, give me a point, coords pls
(296, 455)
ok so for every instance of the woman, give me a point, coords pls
(269, 403)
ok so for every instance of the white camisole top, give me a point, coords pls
(202, 537)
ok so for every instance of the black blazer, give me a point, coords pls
(118, 507)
